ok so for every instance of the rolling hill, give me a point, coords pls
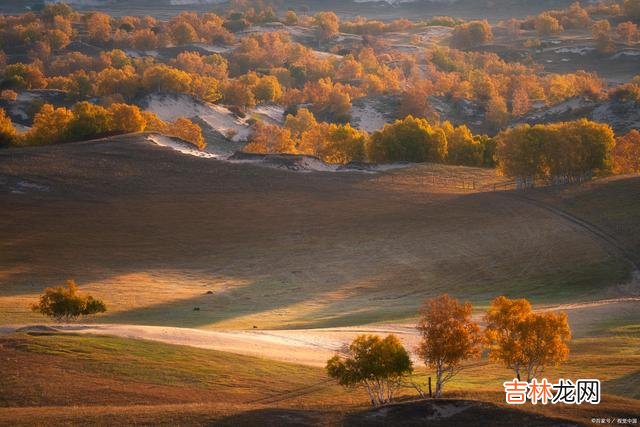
(156, 233)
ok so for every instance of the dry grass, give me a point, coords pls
(70, 379)
(152, 232)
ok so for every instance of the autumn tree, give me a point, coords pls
(470, 34)
(301, 122)
(49, 125)
(378, 365)
(524, 341)
(205, 88)
(67, 304)
(188, 131)
(124, 81)
(23, 76)
(328, 25)
(88, 120)
(448, 337)
(575, 17)
(545, 24)
(126, 118)
(8, 134)
(410, 139)
(564, 150)
(163, 78)
(627, 153)
(238, 94)
(414, 100)
(267, 89)
(267, 138)
(290, 18)
(601, 32)
(144, 39)
(183, 33)
(463, 148)
(497, 114)
(333, 143)
(210, 65)
(520, 102)
(343, 144)
(99, 27)
(628, 32)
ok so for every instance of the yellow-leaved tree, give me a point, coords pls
(8, 134)
(449, 337)
(524, 341)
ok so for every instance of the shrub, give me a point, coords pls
(471, 34)
(378, 365)
(65, 303)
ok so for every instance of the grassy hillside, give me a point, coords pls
(98, 380)
(156, 234)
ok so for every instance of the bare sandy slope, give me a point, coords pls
(313, 347)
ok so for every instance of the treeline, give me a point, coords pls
(563, 152)
(516, 337)
(410, 139)
(53, 125)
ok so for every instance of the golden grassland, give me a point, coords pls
(152, 233)
(99, 379)
(155, 234)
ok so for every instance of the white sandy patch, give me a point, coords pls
(631, 53)
(271, 113)
(582, 51)
(182, 147)
(366, 117)
(171, 107)
(213, 48)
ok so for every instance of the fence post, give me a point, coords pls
(430, 395)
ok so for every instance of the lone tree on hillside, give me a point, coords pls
(449, 336)
(66, 304)
(523, 340)
(378, 365)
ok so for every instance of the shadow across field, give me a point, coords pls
(276, 248)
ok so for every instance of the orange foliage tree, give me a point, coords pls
(449, 337)
(525, 341)
(410, 139)
(626, 156)
(8, 134)
(471, 34)
(49, 125)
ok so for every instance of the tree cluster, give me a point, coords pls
(53, 125)
(518, 338)
(561, 151)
